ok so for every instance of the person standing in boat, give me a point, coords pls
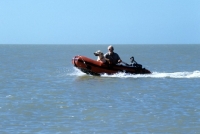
(112, 56)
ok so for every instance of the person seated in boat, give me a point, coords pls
(101, 57)
(112, 56)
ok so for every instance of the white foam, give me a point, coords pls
(76, 72)
(194, 74)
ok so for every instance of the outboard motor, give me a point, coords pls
(134, 63)
(132, 59)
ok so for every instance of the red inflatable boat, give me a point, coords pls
(92, 67)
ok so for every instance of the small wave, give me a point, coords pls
(194, 74)
(76, 72)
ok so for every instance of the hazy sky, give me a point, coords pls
(99, 21)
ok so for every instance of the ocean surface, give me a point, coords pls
(41, 91)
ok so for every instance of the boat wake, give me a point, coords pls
(194, 74)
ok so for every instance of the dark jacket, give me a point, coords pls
(114, 57)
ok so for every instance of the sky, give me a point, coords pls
(99, 21)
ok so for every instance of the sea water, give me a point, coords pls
(41, 91)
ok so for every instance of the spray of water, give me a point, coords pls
(76, 72)
(194, 74)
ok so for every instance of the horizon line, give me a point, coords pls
(107, 44)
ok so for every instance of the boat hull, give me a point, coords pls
(90, 66)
